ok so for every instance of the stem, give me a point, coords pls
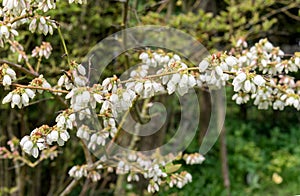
(29, 66)
(64, 45)
(38, 64)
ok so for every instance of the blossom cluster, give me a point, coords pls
(40, 138)
(180, 179)
(172, 71)
(7, 75)
(214, 70)
(78, 172)
(192, 159)
(40, 82)
(42, 25)
(7, 32)
(35, 142)
(267, 59)
(20, 12)
(157, 172)
(19, 97)
(42, 51)
(245, 71)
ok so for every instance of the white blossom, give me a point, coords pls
(240, 98)
(42, 51)
(47, 5)
(83, 132)
(231, 61)
(78, 1)
(63, 137)
(259, 80)
(153, 187)
(29, 147)
(238, 81)
(98, 138)
(8, 75)
(195, 158)
(78, 172)
(133, 177)
(203, 65)
(122, 168)
(81, 69)
(6, 80)
(52, 137)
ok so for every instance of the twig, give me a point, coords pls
(20, 68)
(16, 19)
(69, 188)
(289, 14)
(124, 33)
(224, 160)
(87, 153)
(40, 100)
(118, 131)
(40, 88)
(273, 12)
(160, 75)
(119, 185)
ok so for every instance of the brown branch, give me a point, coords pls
(289, 14)
(87, 153)
(40, 88)
(20, 68)
(224, 160)
(273, 12)
(118, 131)
(16, 19)
(160, 75)
(69, 188)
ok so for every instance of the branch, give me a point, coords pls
(160, 75)
(118, 131)
(69, 188)
(16, 19)
(289, 14)
(87, 153)
(273, 12)
(40, 88)
(20, 68)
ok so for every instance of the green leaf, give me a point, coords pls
(171, 168)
